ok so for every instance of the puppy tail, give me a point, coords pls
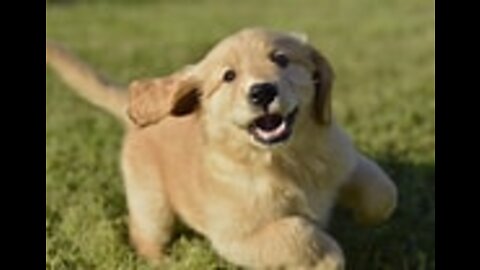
(86, 82)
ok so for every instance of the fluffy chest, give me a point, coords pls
(250, 195)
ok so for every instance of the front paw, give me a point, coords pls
(379, 208)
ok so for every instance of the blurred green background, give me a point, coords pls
(383, 55)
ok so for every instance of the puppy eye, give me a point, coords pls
(229, 75)
(280, 59)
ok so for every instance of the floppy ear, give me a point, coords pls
(323, 77)
(151, 100)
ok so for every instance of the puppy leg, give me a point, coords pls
(289, 243)
(151, 219)
(369, 193)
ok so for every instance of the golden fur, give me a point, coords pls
(187, 155)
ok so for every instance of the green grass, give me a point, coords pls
(383, 54)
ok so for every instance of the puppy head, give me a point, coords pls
(257, 86)
(264, 87)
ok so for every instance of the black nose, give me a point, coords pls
(262, 94)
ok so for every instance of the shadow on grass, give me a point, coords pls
(407, 240)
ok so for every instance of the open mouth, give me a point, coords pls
(272, 128)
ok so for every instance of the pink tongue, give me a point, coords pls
(270, 134)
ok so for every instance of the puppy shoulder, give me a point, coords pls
(342, 148)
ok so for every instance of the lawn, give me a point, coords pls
(383, 55)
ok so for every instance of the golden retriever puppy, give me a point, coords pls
(243, 148)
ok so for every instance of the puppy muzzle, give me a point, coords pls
(272, 128)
